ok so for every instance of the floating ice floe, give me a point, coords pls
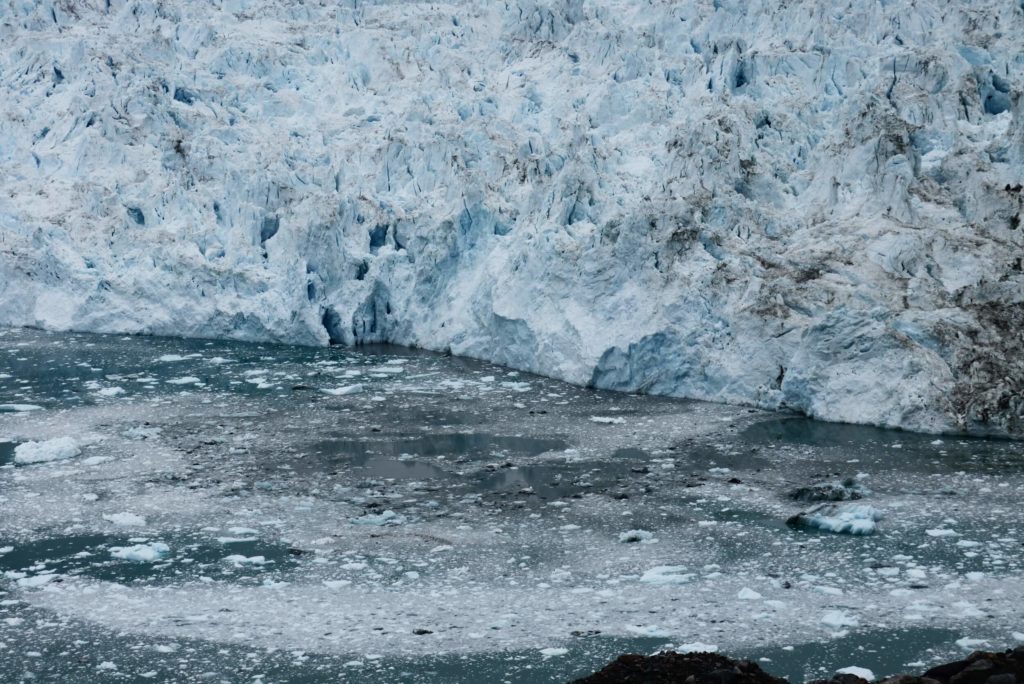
(168, 358)
(59, 449)
(380, 519)
(187, 380)
(552, 652)
(36, 580)
(125, 519)
(667, 574)
(141, 553)
(343, 390)
(747, 594)
(854, 519)
(971, 644)
(607, 420)
(839, 618)
(19, 408)
(239, 560)
(861, 672)
(110, 391)
(633, 536)
(941, 532)
(142, 432)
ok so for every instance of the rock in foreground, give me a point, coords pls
(711, 668)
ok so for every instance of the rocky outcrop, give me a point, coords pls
(712, 668)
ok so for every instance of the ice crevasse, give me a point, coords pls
(809, 204)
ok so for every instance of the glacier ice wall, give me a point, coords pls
(807, 204)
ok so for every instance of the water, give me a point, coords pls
(451, 519)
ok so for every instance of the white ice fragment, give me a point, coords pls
(36, 580)
(126, 519)
(110, 391)
(58, 449)
(941, 532)
(337, 584)
(142, 553)
(748, 594)
(667, 574)
(19, 408)
(386, 518)
(861, 672)
(343, 390)
(169, 358)
(642, 536)
(552, 652)
(839, 618)
(187, 380)
(856, 519)
(142, 432)
(607, 420)
(240, 560)
(971, 644)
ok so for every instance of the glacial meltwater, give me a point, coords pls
(193, 511)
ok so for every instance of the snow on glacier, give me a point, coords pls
(802, 205)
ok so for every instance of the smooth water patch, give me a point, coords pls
(127, 559)
(460, 445)
(7, 452)
(877, 447)
(884, 651)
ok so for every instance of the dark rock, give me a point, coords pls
(680, 668)
(841, 679)
(982, 668)
(711, 668)
(421, 632)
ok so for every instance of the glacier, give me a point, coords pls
(805, 205)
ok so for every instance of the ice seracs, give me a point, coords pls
(775, 204)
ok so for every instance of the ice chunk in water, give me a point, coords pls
(667, 574)
(839, 518)
(861, 672)
(142, 553)
(58, 449)
(19, 408)
(343, 390)
(632, 536)
(126, 519)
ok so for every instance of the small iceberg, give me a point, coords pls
(857, 519)
(141, 553)
(667, 574)
(59, 449)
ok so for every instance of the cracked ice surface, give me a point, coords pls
(798, 204)
(225, 516)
